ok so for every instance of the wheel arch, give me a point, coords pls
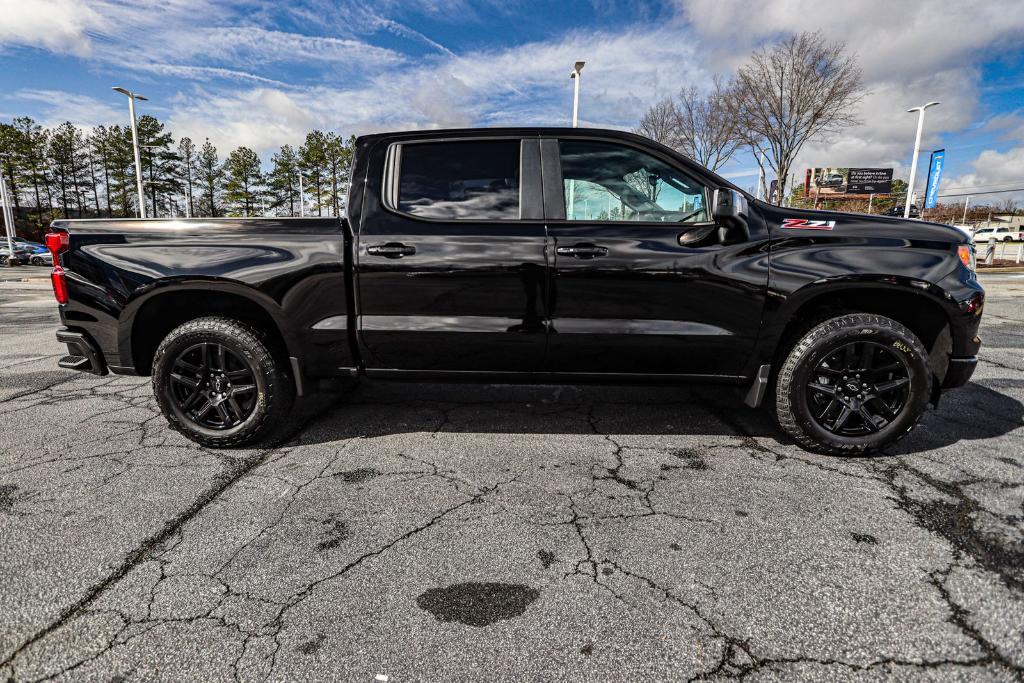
(915, 304)
(148, 318)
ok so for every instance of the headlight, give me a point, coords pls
(966, 254)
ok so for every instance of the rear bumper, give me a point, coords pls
(959, 371)
(83, 355)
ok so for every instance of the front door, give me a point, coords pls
(641, 282)
(451, 266)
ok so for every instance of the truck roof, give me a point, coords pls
(364, 141)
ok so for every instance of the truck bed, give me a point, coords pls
(290, 270)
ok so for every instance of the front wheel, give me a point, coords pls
(218, 382)
(853, 385)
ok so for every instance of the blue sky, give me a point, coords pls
(261, 73)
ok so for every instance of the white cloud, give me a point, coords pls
(910, 53)
(525, 84)
(894, 40)
(993, 170)
(58, 25)
(59, 106)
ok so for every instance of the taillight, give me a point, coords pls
(60, 285)
(58, 242)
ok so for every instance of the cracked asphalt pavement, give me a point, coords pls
(454, 532)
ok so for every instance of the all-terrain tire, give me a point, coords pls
(791, 396)
(274, 385)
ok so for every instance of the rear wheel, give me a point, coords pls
(853, 384)
(218, 382)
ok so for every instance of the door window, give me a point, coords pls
(608, 182)
(474, 180)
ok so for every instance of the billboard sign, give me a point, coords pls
(931, 195)
(869, 181)
(836, 180)
(828, 180)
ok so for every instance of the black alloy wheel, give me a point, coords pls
(213, 386)
(223, 383)
(853, 385)
(858, 389)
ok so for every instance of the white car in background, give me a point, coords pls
(43, 259)
(997, 234)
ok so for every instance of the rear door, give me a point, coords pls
(450, 259)
(641, 282)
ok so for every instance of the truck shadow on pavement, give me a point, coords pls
(381, 408)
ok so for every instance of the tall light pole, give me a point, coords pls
(913, 162)
(135, 144)
(575, 75)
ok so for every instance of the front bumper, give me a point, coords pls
(959, 371)
(83, 355)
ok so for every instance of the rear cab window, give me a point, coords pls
(458, 180)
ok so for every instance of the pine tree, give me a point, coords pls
(99, 143)
(66, 164)
(33, 139)
(282, 184)
(10, 155)
(339, 154)
(121, 157)
(210, 175)
(243, 181)
(313, 164)
(159, 163)
(187, 154)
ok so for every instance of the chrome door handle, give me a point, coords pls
(582, 251)
(391, 250)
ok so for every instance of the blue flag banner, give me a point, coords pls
(931, 195)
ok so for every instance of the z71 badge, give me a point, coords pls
(805, 224)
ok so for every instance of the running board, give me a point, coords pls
(755, 395)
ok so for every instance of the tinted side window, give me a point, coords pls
(460, 180)
(608, 182)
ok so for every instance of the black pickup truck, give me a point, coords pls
(528, 255)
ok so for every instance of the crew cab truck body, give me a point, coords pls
(536, 255)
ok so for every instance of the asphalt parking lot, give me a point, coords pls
(449, 532)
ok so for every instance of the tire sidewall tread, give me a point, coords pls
(276, 391)
(790, 399)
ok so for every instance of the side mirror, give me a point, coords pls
(729, 210)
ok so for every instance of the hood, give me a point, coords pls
(805, 221)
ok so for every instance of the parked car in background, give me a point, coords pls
(21, 254)
(44, 259)
(831, 180)
(898, 211)
(997, 234)
(34, 247)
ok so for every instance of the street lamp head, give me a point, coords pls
(930, 104)
(576, 69)
(129, 93)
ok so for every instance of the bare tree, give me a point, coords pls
(794, 91)
(661, 123)
(707, 126)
